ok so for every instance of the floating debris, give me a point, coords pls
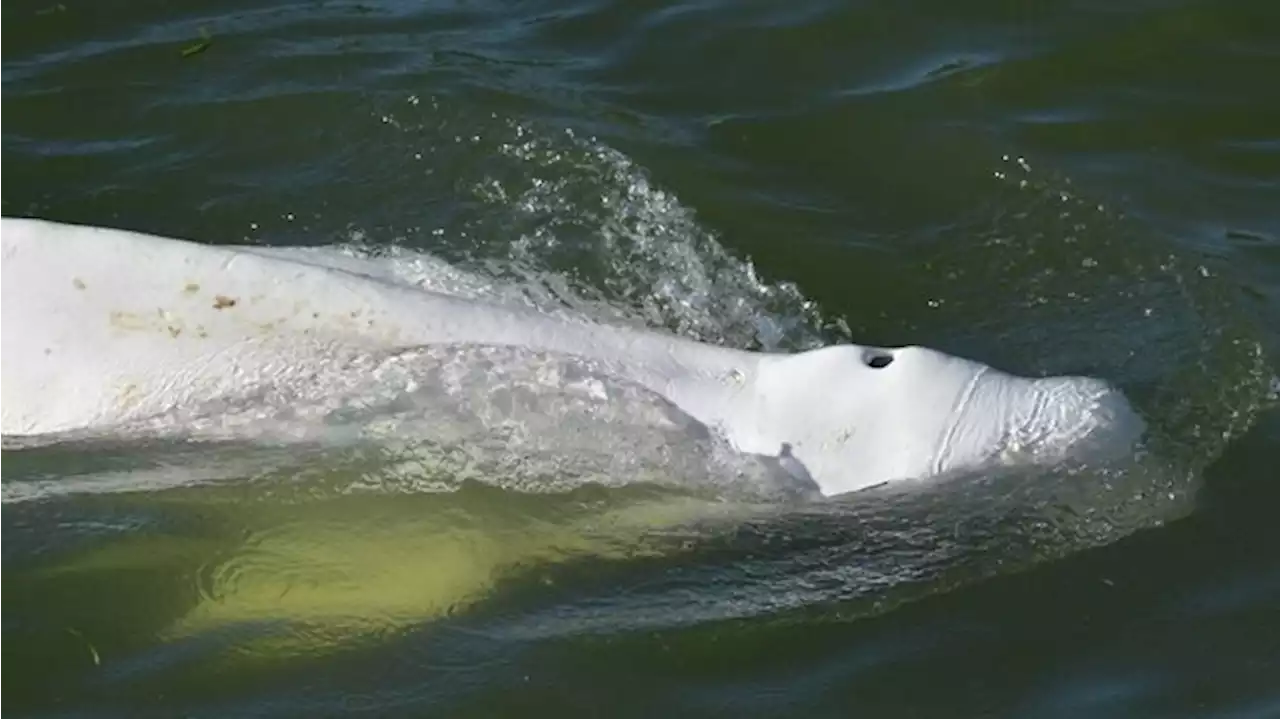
(198, 47)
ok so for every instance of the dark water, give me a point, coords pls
(1072, 187)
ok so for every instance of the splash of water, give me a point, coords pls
(560, 221)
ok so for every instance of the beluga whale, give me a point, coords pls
(103, 327)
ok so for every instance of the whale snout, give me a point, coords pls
(1019, 420)
(1085, 418)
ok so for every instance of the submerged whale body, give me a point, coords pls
(102, 327)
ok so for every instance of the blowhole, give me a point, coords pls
(877, 360)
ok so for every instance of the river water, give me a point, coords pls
(1076, 187)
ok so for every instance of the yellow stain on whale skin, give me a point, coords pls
(128, 321)
(191, 288)
(164, 321)
(130, 394)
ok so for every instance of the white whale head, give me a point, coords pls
(856, 416)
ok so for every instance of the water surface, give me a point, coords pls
(1069, 188)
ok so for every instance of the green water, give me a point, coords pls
(1069, 187)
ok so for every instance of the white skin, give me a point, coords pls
(103, 326)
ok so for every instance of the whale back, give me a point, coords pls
(102, 325)
(99, 324)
